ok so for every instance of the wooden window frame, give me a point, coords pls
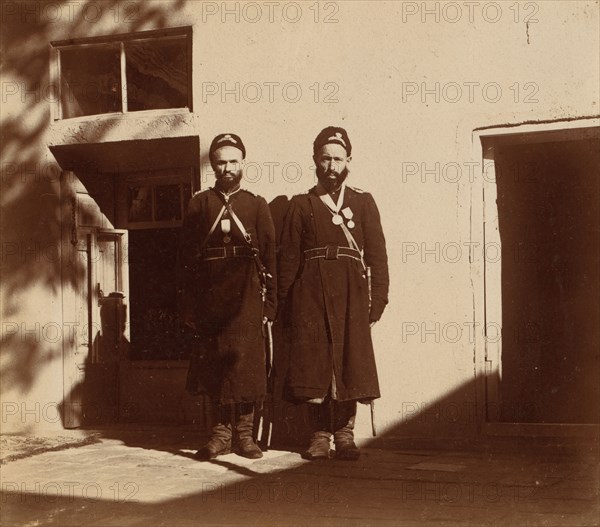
(57, 46)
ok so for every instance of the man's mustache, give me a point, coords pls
(327, 175)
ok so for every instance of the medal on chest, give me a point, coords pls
(226, 229)
(334, 208)
(348, 214)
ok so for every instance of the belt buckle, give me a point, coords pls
(331, 252)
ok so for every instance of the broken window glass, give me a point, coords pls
(157, 74)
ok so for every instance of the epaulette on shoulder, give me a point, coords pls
(200, 192)
(357, 190)
(302, 195)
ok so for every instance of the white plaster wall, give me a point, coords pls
(370, 55)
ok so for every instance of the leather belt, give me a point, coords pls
(230, 251)
(331, 252)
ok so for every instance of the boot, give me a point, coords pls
(244, 427)
(343, 437)
(220, 439)
(321, 437)
(319, 446)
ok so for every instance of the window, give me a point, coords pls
(158, 199)
(90, 81)
(129, 73)
(156, 72)
(154, 207)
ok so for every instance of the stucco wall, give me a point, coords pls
(408, 80)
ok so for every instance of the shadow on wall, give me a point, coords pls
(32, 210)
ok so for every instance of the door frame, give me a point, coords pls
(122, 278)
(81, 290)
(488, 308)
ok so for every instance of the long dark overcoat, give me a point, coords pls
(223, 297)
(327, 312)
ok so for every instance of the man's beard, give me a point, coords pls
(226, 184)
(330, 179)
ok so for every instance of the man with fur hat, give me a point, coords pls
(333, 285)
(228, 272)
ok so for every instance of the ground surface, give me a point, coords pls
(19, 446)
(149, 478)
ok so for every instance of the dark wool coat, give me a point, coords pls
(223, 298)
(327, 310)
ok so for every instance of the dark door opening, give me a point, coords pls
(549, 221)
(156, 330)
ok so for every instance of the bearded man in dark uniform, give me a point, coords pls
(333, 281)
(228, 267)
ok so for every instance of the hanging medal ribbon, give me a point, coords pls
(334, 207)
(348, 214)
(226, 229)
(338, 219)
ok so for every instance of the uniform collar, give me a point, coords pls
(227, 195)
(333, 201)
(320, 190)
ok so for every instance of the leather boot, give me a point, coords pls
(321, 437)
(244, 426)
(319, 446)
(343, 425)
(220, 439)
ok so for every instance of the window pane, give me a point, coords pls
(90, 81)
(157, 74)
(168, 203)
(140, 204)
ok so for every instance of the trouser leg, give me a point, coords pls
(220, 438)
(244, 427)
(344, 417)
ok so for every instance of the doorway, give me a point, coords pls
(548, 230)
(156, 329)
(123, 207)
